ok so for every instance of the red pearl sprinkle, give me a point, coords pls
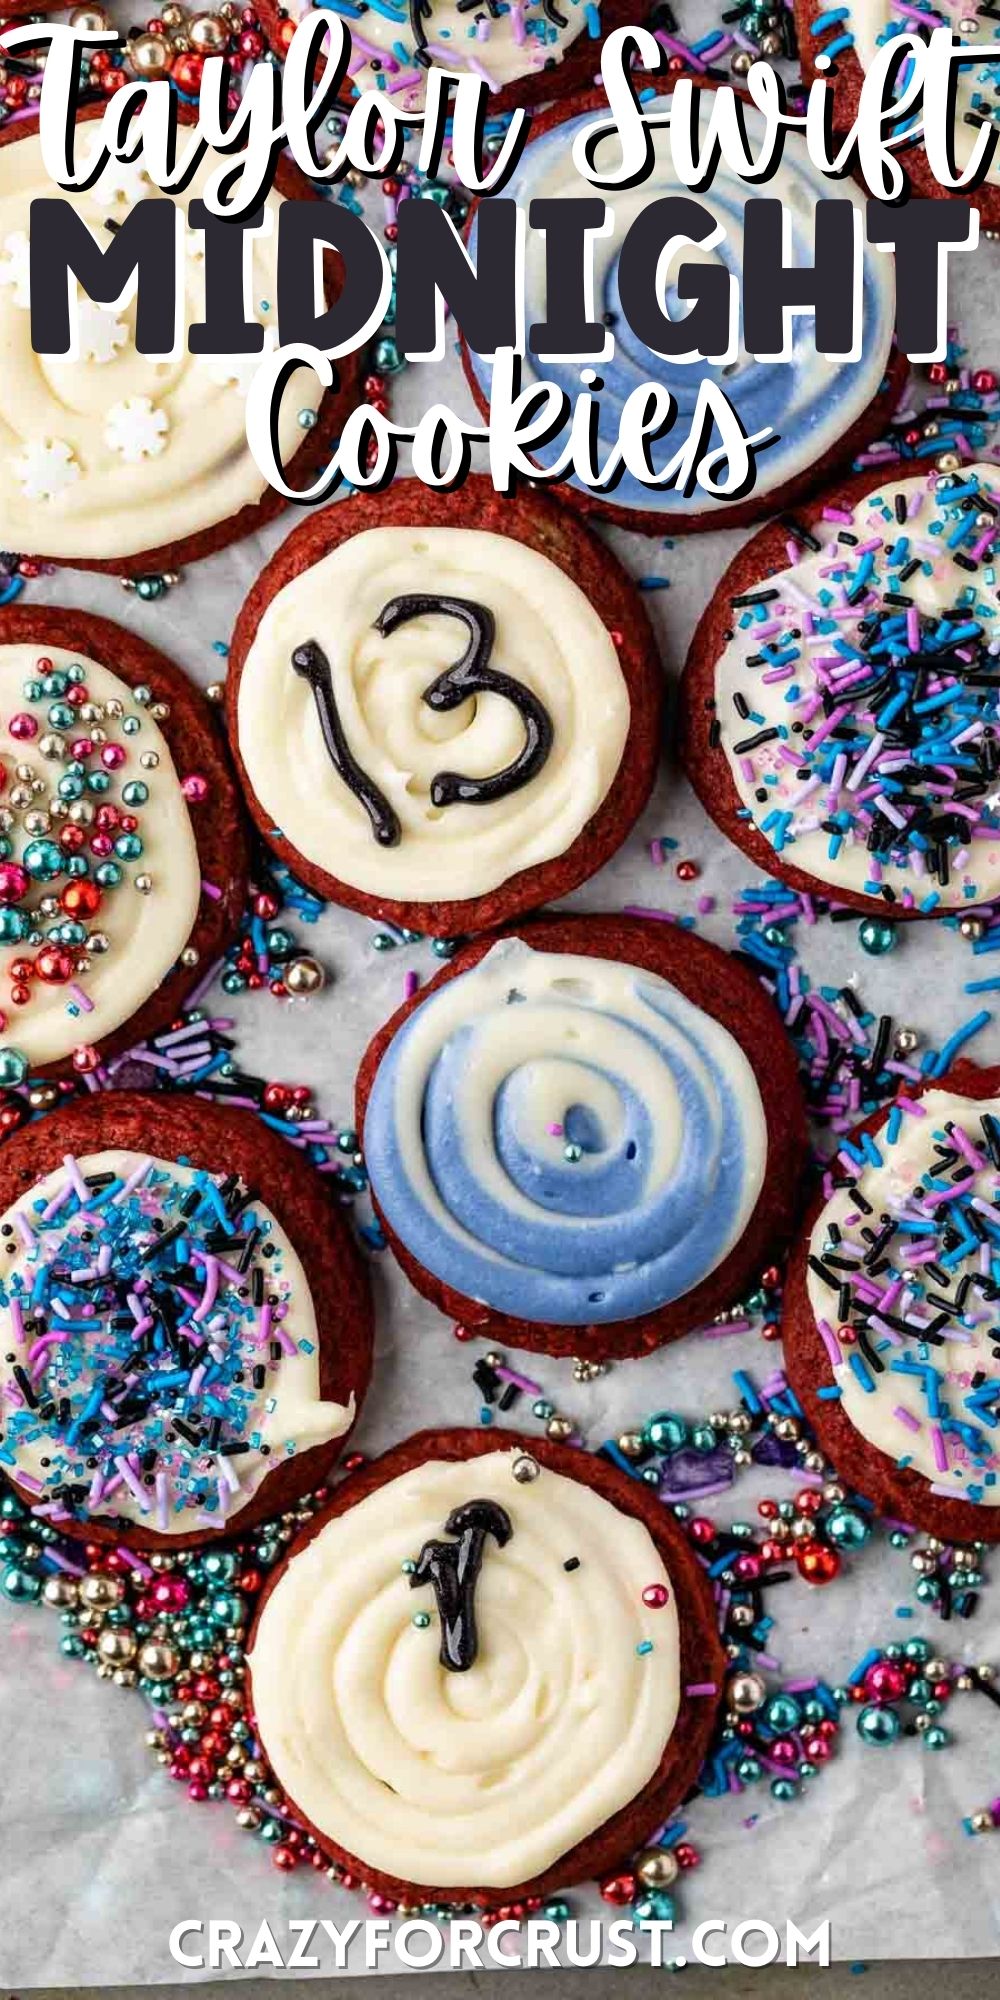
(656, 1595)
(817, 1748)
(55, 964)
(619, 1889)
(816, 1562)
(687, 871)
(81, 899)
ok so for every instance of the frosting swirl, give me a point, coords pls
(399, 740)
(159, 1352)
(565, 1138)
(117, 452)
(810, 400)
(489, 1775)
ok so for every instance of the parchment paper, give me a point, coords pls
(102, 1854)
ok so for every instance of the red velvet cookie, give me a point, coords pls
(187, 1327)
(585, 1137)
(824, 412)
(494, 1717)
(830, 722)
(894, 1353)
(846, 74)
(445, 708)
(122, 462)
(491, 54)
(127, 870)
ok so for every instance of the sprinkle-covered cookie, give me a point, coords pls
(445, 708)
(488, 1669)
(122, 461)
(891, 1328)
(123, 856)
(850, 36)
(824, 411)
(527, 51)
(584, 1138)
(185, 1325)
(841, 711)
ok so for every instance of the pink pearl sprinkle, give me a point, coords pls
(113, 756)
(13, 882)
(195, 788)
(23, 727)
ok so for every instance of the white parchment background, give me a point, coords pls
(102, 1854)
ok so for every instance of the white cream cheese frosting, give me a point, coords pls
(917, 1358)
(857, 701)
(163, 1386)
(102, 775)
(116, 452)
(547, 637)
(483, 1777)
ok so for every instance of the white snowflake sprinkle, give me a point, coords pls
(15, 265)
(136, 429)
(121, 182)
(45, 468)
(101, 332)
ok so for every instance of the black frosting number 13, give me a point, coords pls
(470, 675)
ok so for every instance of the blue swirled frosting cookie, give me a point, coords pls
(586, 1134)
(822, 409)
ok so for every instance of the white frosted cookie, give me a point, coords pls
(480, 1666)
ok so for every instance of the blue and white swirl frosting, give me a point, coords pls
(565, 1138)
(809, 400)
